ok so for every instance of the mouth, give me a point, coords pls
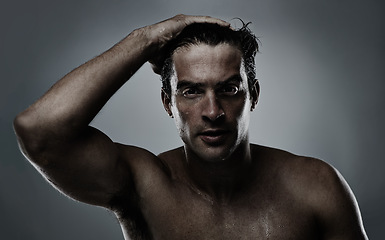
(214, 137)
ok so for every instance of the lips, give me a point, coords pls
(213, 136)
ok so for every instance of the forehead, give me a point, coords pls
(205, 63)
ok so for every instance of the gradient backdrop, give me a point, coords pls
(321, 69)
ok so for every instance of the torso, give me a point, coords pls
(269, 206)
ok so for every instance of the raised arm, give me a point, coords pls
(54, 132)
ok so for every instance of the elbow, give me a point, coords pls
(29, 136)
(23, 125)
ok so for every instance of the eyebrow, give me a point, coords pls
(235, 78)
(185, 83)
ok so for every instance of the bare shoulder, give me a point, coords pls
(147, 170)
(173, 161)
(303, 175)
(297, 168)
(140, 160)
(150, 172)
(318, 187)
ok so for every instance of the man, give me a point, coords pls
(218, 185)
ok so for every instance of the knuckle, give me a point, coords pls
(179, 17)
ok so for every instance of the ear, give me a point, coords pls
(255, 94)
(166, 100)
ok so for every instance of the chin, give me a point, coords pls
(214, 154)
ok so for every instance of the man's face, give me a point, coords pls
(210, 100)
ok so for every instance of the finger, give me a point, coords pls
(189, 19)
(208, 19)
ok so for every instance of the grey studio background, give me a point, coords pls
(321, 69)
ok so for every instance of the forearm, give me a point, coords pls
(69, 106)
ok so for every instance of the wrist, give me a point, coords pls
(138, 43)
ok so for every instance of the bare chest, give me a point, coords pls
(186, 215)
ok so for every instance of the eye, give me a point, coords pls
(229, 90)
(191, 92)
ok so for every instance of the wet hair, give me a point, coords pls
(212, 35)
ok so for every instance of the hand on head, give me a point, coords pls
(167, 30)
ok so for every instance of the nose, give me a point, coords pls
(212, 109)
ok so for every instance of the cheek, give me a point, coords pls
(240, 108)
(245, 113)
(244, 118)
(182, 117)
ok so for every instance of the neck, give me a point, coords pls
(219, 181)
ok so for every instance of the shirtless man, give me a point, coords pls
(216, 186)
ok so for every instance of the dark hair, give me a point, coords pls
(212, 34)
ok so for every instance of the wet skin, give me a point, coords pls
(277, 197)
(210, 101)
(218, 186)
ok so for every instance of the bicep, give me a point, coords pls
(89, 168)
